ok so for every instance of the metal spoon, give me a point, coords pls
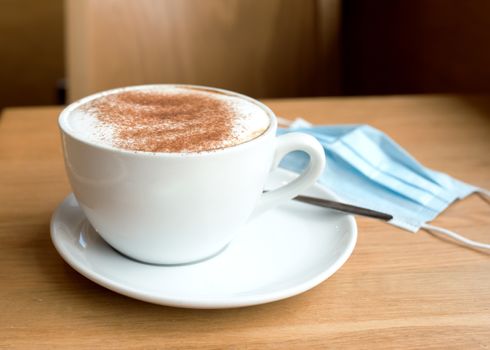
(346, 208)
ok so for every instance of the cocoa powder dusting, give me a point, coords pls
(158, 121)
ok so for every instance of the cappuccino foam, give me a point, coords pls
(168, 119)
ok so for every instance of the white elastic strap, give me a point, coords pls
(298, 122)
(456, 236)
(283, 121)
(484, 191)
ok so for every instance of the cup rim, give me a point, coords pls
(64, 127)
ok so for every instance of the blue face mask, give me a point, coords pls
(368, 169)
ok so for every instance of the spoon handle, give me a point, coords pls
(346, 208)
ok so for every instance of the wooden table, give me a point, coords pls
(398, 290)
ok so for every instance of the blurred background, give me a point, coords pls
(55, 51)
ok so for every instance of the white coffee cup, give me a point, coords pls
(168, 208)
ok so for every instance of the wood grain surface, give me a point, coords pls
(398, 290)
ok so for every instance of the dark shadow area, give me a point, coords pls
(32, 61)
(419, 46)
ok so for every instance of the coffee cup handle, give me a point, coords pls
(285, 144)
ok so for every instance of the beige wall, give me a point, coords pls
(402, 46)
(261, 48)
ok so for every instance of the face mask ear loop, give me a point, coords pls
(484, 192)
(456, 236)
(284, 122)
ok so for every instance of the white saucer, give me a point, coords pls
(285, 252)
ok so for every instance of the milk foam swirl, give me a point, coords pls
(169, 119)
